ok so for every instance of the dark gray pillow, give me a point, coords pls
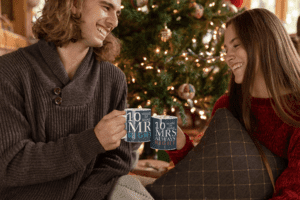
(224, 165)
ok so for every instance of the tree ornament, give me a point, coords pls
(186, 91)
(231, 7)
(139, 3)
(199, 10)
(166, 33)
(237, 3)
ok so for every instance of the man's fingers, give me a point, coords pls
(114, 113)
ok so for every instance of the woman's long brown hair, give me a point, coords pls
(57, 24)
(265, 38)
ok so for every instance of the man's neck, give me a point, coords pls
(71, 56)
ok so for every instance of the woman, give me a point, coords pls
(263, 91)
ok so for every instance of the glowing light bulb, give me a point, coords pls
(203, 117)
(133, 80)
(193, 109)
(145, 58)
(194, 40)
(122, 7)
(138, 98)
(172, 109)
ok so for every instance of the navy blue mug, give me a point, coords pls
(164, 132)
(138, 124)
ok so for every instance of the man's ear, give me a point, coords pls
(75, 7)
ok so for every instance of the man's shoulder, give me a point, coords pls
(16, 57)
(109, 69)
(11, 61)
(15, 63)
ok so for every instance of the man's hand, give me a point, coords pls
(181, 140)
(111, 129)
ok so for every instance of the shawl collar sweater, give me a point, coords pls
(281, 138)
(48, 149)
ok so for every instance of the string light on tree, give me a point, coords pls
(172, 109)
(148, 102)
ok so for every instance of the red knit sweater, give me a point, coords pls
(282, 139)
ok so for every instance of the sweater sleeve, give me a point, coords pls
(177, 155)
(288, 183)
(92, 186)
(25, 162)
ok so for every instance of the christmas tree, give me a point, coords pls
(173, 54)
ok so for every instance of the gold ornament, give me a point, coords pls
(166, 33)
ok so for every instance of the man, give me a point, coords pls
(61, 102)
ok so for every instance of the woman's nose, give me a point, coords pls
(229, 57)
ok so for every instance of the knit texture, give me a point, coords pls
(280, 138)
(49, 150)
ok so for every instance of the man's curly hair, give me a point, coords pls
(59, 25)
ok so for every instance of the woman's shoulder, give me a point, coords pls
(222, 102)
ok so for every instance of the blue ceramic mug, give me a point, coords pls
(138, 124)
(164, 132)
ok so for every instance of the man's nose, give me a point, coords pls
(112, 21)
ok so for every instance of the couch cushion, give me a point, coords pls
(224, 165)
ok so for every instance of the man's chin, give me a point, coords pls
(98, 44)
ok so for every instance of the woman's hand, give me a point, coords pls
(180, 138)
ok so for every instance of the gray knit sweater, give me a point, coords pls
(48, 149)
